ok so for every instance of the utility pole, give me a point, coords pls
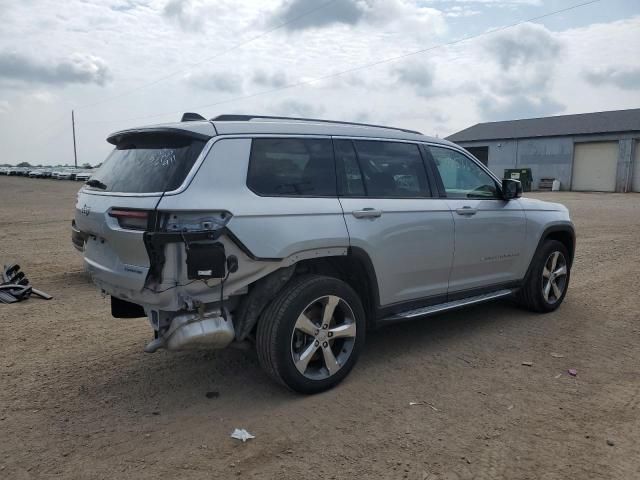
(73, 128)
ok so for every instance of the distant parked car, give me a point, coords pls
(13, 171)
(62, 174)
(37, 173)
(46, 173)
(3, 170)
(84, 175)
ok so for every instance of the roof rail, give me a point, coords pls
(246, 118)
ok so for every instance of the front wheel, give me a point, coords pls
(546, 285)
(311, 334)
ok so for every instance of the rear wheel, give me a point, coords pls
(548, 279)
(311, 334)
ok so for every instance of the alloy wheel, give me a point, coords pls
(554, 277)
(323, 337)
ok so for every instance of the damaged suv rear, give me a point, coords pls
(271, 230)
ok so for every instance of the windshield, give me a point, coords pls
(146, 163)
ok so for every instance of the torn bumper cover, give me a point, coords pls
(77, 237)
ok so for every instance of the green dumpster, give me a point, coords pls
(522, 174)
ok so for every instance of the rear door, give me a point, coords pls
(391, 214)
(489, 231)
(114, 209)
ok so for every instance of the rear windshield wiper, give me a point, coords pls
(96, 184)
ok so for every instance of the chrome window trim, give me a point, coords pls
(209, 145)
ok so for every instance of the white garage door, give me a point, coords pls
(594, 166)
(635, 185)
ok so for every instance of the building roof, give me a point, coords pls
(561, 125)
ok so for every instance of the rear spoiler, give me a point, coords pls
(118, 137)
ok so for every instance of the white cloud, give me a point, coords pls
(296, 108)
(273, 79)
(459, 11)
(523, 45)
(622, 76)
(4, 106)
(217, 81)
(16, 68)
(42, 96)
(494, 3)
(419, 75)
(185, 14)
(520, 68)
(301, 15)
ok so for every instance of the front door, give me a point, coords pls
(489, 231)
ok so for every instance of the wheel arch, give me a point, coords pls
(356, 269)
(564, 233)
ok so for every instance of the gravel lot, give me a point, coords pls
(80, 399)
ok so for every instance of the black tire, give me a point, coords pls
(531, 296)
(277, 329)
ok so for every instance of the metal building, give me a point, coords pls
(586, 152)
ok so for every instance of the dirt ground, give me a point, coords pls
(80, 399)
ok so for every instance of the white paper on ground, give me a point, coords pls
(241, 434)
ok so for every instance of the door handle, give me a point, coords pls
(466, 211)
(367, 213)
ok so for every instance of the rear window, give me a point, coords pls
(148, 162)
(292, 167)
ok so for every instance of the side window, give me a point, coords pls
(349, 176)
(292, 167)
(462, 177)
(392, 169)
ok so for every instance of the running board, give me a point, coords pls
(443, 307)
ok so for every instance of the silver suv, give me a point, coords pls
(299, 235)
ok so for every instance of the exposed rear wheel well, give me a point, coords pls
(351, 269)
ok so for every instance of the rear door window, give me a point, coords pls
(147, 163)
(392, 169)
(292, 167)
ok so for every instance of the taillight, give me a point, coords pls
(131, 219)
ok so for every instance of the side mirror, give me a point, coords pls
(511, 189)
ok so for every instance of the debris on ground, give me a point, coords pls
(510, 407)
(527, 364)
(212, 394)
(611, 443)
(241, 434)
(558, 375)
(573, 372)
(411, 404)
(557, 355)
(15, 286)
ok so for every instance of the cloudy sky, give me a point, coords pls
(122, 63)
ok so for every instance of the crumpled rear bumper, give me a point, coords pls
(77, 237)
